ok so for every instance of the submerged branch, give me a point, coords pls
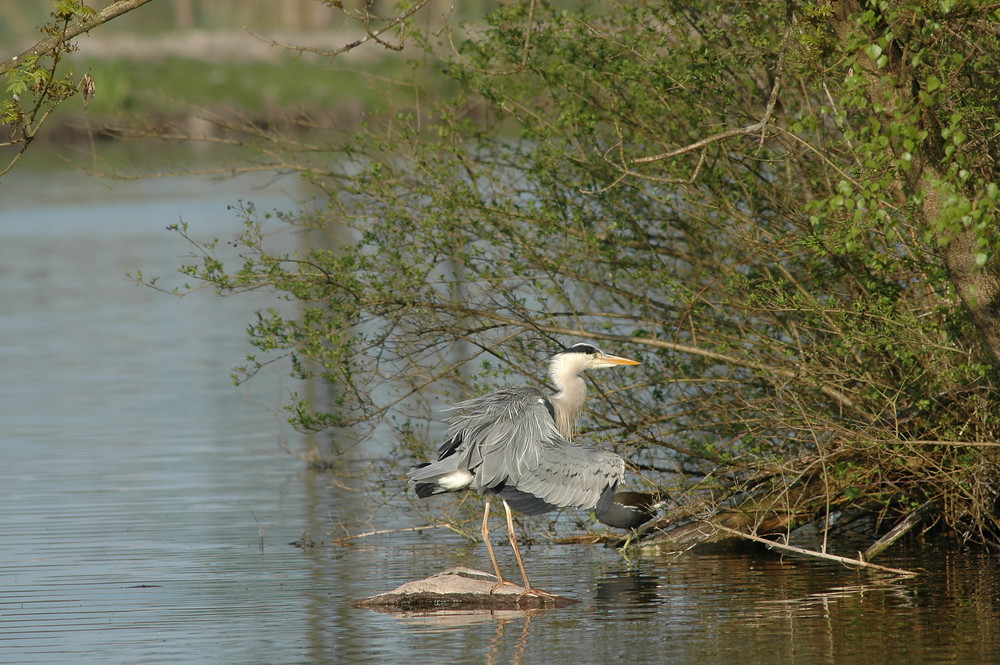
(379, 532)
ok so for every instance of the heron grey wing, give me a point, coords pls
(511, 444)
(486, 429)
(502, 432)
(571, 475)
(529, 504)
(449, 447)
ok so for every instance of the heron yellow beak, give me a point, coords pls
(618, 360)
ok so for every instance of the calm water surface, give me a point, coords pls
(149, 506)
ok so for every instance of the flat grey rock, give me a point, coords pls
(458, 589)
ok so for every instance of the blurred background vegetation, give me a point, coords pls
(173, 56)
(20, 20)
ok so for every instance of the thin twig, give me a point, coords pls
(958, 444)
(370, 35)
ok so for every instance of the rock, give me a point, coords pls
(458, 589)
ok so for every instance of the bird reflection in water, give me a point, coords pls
(629, 588)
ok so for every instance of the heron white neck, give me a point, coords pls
(572, 392)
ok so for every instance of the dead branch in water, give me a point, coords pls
(898, 531)
(859, 563)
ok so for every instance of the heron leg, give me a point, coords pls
(513, 544)
(528, 589)
(489, 548)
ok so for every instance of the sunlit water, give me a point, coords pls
(149, 506)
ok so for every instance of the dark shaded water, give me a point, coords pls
(148, 506)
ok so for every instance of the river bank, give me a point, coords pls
(178, 79)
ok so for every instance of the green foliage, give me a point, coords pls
(67, 10)
(740, 201)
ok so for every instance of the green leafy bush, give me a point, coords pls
(789, 218)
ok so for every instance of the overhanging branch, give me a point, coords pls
(50, 44)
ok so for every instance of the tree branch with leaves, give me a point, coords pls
(34, 87)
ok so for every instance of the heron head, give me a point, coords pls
(587, 356)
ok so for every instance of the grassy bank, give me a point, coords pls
(175, 89)
(164, 87)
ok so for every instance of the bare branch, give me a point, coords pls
(754, 128)
(370, 35)
(898, 531)
(857, 563)
(379, 532)
(698, 145)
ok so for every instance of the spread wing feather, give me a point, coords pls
(509, 442)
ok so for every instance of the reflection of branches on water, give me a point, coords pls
(825, 600)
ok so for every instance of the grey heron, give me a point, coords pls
(515, 445)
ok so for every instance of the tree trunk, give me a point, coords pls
(895, 87)
(978, 287)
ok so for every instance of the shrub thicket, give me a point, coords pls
(787, 212)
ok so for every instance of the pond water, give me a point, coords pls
(152, 512)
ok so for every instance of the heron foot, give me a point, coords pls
(501, 583)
